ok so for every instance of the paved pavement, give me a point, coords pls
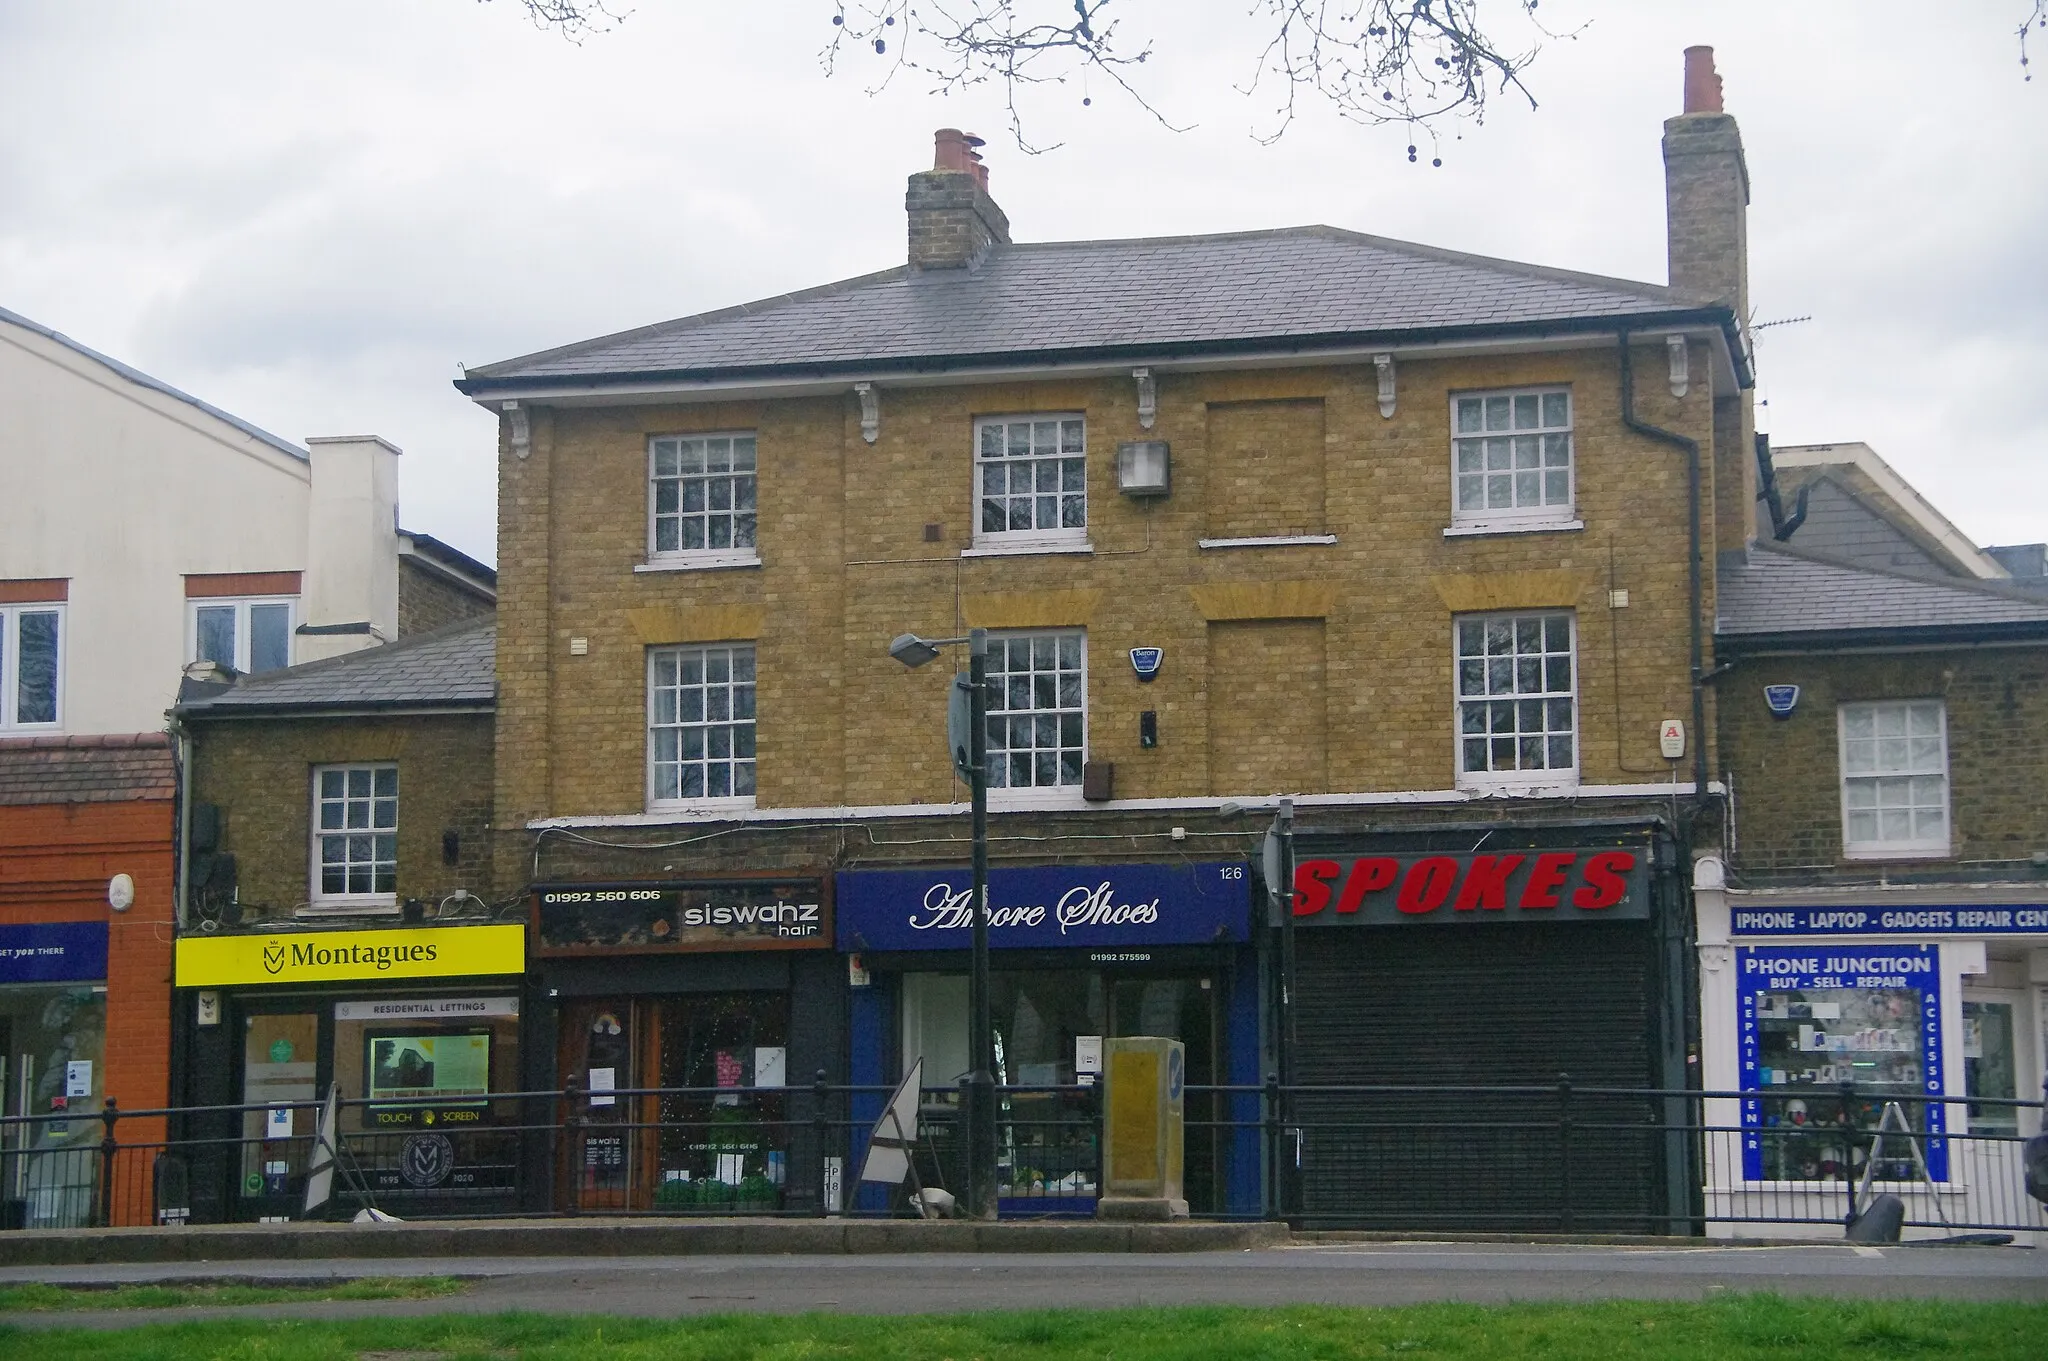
(1395, 1273)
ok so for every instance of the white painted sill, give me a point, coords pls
(999, 549)
(1268, 541)
(1054, 799)
(703, 807)
(1553, 788)
(377, 905)
(1472, 531)
(1880, 852)
(705, 562)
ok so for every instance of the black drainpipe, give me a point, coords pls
(1691, 449)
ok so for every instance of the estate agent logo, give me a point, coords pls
(331, 956)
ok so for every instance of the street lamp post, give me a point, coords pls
(970, 757)
(1277, 863)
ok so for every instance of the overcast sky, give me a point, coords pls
(310, 211)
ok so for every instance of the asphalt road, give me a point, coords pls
(1400, 1273)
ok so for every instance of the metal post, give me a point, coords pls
(1275, 1209)
(1283, 892)
(821, 1133)
(573, 1150)
(108, 1147)
(978, 1089)
(1564, 1152)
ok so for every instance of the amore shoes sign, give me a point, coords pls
(1046, 907)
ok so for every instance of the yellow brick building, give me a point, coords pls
(1429, 552)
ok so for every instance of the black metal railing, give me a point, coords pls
(1552, 1157)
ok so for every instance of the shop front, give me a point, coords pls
(679, 1012)
(53, 1028)
(1842, 1012)
(1080, 953)
(1439, 966)
(417, 1031)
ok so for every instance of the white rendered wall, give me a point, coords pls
(352, 544)
(123, 490)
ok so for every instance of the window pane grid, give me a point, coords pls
(702, 489)
(1037, 710)
(356, 821)
(1895, 776)
(1517, 707)
(30, 644)
(700, 723)
(1512, 452)
(1031, 475)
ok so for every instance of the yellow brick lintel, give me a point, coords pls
(1224, 600)
(657, 624)
(1473, 592)
(1030, 609)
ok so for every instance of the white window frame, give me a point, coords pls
(10, 666)
(1037, 796)
(1059, 539)
(317, 896)
(1515, 780)
(243, 633)
(1508, 519)
(1913, 848)
(686, 559)
(720, 803)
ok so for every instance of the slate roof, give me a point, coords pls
(452, 667)
(1773, 591)
(137, 376)
(1146, 296)
(97, 769)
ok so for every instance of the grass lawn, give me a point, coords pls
(40, 1298)
(1739, 1327)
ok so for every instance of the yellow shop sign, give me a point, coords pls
(332, 956)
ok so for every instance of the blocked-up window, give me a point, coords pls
(1264, 470)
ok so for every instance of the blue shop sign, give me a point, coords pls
(1889, 921)
(1818, 1019)
(1046, 907)
(53, 952)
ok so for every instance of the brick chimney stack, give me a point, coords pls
(1706, 220)
(953, 221)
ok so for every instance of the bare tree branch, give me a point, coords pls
(575, 20)
(2036, 18)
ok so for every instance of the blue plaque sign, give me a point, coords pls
(1046, 907)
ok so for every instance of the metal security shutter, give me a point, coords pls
(1444, 1007)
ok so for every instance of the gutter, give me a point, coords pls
(1695, 591)
(1330, 346)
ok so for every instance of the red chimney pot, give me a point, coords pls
(1702, 85)
(953, 150)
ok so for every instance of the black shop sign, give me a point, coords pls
(740, 913)
(1436, 888)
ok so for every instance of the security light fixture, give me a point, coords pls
(1143, 468)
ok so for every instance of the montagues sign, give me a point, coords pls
(327, 956)
(1046, 906)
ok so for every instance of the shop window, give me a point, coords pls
(700, 500)
(249, 636)
(1818, 1022)
(1511, 459)
(1037, 714)
(700, 726)
(31, 666)
(355, 835)
(1031, 482)
(52, 1050)
(1894, 761)
(280, 1066)
(1517, 699)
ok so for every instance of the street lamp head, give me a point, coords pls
(912, 650)
(1229, 808)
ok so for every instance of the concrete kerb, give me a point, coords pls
(610, 1238)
